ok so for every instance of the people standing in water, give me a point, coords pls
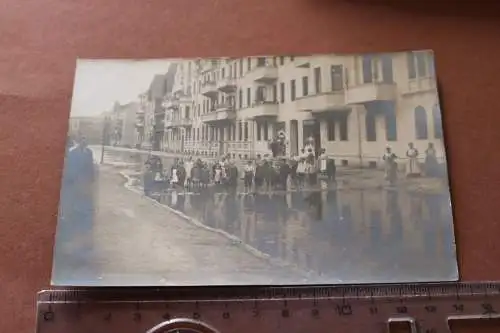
(189, 165)
(259, 173)
(412, 167)
(249, 175)
(283, 174)
(301, 171)
(431, 163)
(148, 179)
(331, 170)
(391, 166)
(323, 162)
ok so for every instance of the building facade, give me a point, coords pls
(123, 124)
(354, 106)
(150, 115)
(89, 127)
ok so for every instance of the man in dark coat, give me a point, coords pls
(76, 211)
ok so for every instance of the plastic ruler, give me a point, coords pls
(422, 308)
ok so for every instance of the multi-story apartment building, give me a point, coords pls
(150, 116)
(140, 122)
(351, 105)
(123, 119)
(89, 127)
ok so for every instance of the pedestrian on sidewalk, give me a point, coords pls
(77, 205)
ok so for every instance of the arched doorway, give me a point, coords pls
(437, 121)
(421, 131)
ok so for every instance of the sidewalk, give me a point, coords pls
(355, 178)
(138, 242)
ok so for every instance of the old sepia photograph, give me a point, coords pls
(262, 170)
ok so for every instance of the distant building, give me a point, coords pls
(89, 127)
(150, 118)
(123, 124)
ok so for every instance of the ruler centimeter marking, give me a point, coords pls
(423, 308)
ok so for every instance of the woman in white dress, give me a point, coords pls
(301, 171)
(323, 162)
(391, 166)
(175, 178)
(412, 167)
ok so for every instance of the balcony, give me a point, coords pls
(222, 112)
(419, 85)
(171, 104)
(184, 122)
(302, 62)
(261, 109)
(370, 92)
(330, 101)
(139, 124)
(185, 99)
(264, 74)
(209, 89)
(227, 85)
(208, 65)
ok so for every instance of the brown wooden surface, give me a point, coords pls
(40, 40)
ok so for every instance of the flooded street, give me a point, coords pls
(355, 235)
(358, 231)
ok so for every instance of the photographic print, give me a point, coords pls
(262, 170)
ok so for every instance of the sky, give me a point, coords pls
(99, 83)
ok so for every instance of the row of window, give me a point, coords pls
(207, 133)
(419, 64)
(245, 98)
(337, 129)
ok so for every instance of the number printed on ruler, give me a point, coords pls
(360, 309)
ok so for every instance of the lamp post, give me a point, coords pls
(104, 137)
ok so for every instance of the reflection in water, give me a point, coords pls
(348, 234)
(372, 235)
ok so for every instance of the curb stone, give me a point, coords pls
(255, 252)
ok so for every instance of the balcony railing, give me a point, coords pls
(228, 106)
(330, 101)
(419, 85)
(303, 62)
(221, 112)
(209, 88)
(184, 122)
(226, 85)
(369, 92)
(208, 65)
(261, 108)
(264, 74)
(170, 104)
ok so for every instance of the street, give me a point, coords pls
(136, 242)
(360, 231)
